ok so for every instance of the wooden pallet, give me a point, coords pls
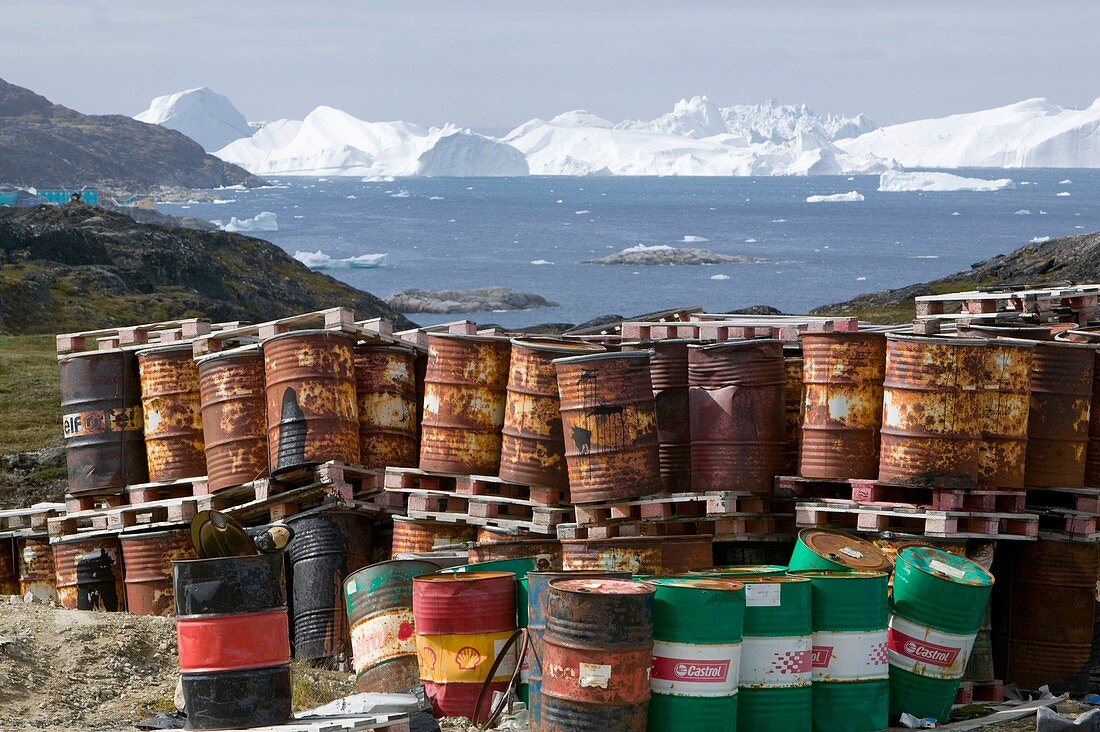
(727, 527)
(498, 511)
(1082, 500)
(1042, 301)
(338, 319)
(83, 502)
(146, 492)
(942, 524)
(418, 337)
(674, 505)
(171, 331)
(32, 520)
(409, 479)
(346, 478)
(867, 492)
(717, 327)
(1069, 525)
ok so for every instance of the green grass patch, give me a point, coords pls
(30, 402)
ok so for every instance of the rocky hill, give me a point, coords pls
(1072, 258)
(44, 144)
(76, 267)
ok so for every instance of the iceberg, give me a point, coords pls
(850, 196)
(318, 260)
(205, 116)
(902, 181)
(263, 221)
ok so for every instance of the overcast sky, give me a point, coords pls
(491, 63)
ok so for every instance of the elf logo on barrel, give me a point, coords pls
(682, 669)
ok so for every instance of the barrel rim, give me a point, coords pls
(469, 338)
(702, 584)
(151, 534)
(937, 339)
(556, 345)
(1089, 332)
(845, 335)
(338, 335)
(734, 344)
(355, 575)
(840, 574)
(650, 342)
(373, 346)
(251, 349)
(905, 554)
(810, 531)
(166, 348)
(605, 356)
(444, 578)
(63, 357)
(776, 578)
(566, 584)
(76, 538)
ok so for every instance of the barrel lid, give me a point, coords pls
(1013, 330)
(655, 342)
(338, 334)
(250, 350)
(846, 335)
(557, 345)
(602, 586)
(846, 549)
(734, 344)
(216, 535)
(699, 583)
(167, 348)
(79, 538)
(1086, 334)
(473, 338)
(774, 579)
(946, 565)
(462, 577)
(744, 570)
(606, 356)
(937, 339)
(838, 574)
(148, 535)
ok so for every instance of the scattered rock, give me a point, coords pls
(485, 299)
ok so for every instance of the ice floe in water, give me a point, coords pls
(320, 260)
(263, 221)
(582, 212)
(541, 261)
(1063, 194)
(1038, 239)
(1023, 212)
(400, 194)
(435, 198)
(1064, 182)
(925, 256)
(850, 196)
(719, 277)
(689, 239)
(895, 181)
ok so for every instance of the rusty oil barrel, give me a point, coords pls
(1043, 610)
(533, 445)
(147, 569)
(597, 651)
(1004, 400)
(464, 397)
(36, 568)
(493, 545)
(642, 555)
(102, 421)
(385, 388)
(234, 641)
(462, 621)
(312, 416)
(931, 415)
(793, 391)
(9, 567)
(383, 633)
(610, 423)
(327, 547)
(173, 418)
(737, 415)
(412, 536)
(668, 370)
(843, 377)
(234, 425)
(89, 574)
(1090, 335)
(1058, 414)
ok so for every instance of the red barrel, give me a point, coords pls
(462, 621)
(147, 559)
(737, 408)
(668, 370)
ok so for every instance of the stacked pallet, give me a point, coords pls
(1057, 302)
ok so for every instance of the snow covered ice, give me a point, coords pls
(263, 221)
(849, 197)
(318, 260)
(205, 116)
(900, 181)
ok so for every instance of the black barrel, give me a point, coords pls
(234, 645)
(327, 547)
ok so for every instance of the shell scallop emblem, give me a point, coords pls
(428, 658)
(468, 658)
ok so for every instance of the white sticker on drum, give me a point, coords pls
(594, 675)
(762, 595)
(937, 566)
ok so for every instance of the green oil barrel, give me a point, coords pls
(697, 624)
(851, 673)
(938, 605)
(743, 570)
(774, 688)
(836, 550)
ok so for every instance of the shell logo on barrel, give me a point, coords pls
(427, 659)
(468, 658)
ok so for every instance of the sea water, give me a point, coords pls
(465, 233)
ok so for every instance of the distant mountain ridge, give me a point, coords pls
(44, 145)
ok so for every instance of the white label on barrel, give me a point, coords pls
(689, 669)
(850, 656)
(927, 651)
(854, 554)
(937, 566)
(508, 665)
(762, 595)
(593, 675)
(769, 663)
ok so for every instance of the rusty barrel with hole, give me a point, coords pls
(794, 365)
(9, 567)
(385, 387)
(668, 370)
(832, 550)
(737, 415)
(312, 416)
(147, 569)
(36, 568)
(102, 421)
(383, 632)
(533, 444)
(462, 622)
(1043, 613)
(327, 547)
(234, 641)
(597, 651)
(697, 627)
(89, 574)
(644, 555)
(234, 425)
(172, 412)
(843, 377)
(464, 397)
(1005, 404)
(931, 412)
(413, 536)
(1058, 416)
(493, 545)
(610, 423)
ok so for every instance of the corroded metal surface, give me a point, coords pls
(639, 554)
(464, 396)
(793, 368)
(610, 423)
(9, 567)
(1005, 400)
(36, 568)
(147, 562)
(102, 421)
(931, 414)
(1058, 416)
(737, 415)
(491, 546)
(312, 415)
(533, 445)
(385, 387)
(1032, 645)
(668, 370)
(417, 537)
(843, 377)
(596, 655)
(89, 574)
(1092, 454)
(173, 420)
(234, 425)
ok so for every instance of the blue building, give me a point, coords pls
(61, 196)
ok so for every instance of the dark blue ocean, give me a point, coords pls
(448, 233)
